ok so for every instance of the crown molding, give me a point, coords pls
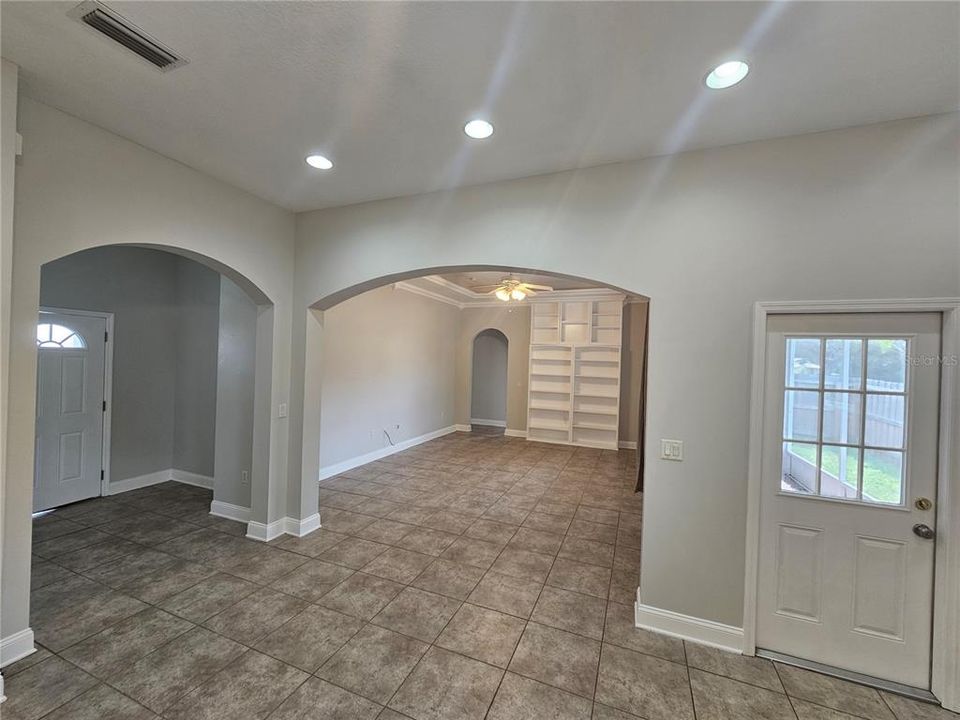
(417, 290)
(473, 299)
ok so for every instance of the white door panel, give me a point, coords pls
(70, 379)
(850, 442)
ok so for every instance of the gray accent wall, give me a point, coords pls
(236, 355)
(489, 372)
(198, 302)
(164, 351)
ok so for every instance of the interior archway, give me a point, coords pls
(314, 337)
(178, 377)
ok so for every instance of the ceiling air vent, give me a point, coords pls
(106, 21)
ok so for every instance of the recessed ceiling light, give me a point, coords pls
(478, 129)
(319, 162)
(727, 75)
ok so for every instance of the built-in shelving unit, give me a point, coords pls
(574, 395)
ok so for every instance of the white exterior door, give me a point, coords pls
(849, 492)
(70, 377)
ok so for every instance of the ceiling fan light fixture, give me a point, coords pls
(517, 294)
(503, 294)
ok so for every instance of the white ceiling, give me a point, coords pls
(384, 89)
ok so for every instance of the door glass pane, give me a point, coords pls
(886, 364)
(885, 421)
(883, 476)
(803, 362)
(838, 471)
(841, 418)
(801, 413)
(799, 468)
(843, 360)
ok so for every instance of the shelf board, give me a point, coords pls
(560, 408)
(614, 413)
(545, 425)
(595, 395)
(595, 426)
(546, 374)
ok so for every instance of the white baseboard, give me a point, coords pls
(283, 526)
(628, 444)
(140, 481)
(300, 528)
(462, 428)
(488, 423)
(266, 532)
(160, 476)
(16, 647)
(229, 511)
(686, 627)
(510, 432)
(331, 470)
(190, 478)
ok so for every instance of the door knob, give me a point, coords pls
(924, 531)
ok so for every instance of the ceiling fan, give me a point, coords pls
(512, 289)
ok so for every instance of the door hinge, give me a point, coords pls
(101, 474)
(104, 405)
(106, 336)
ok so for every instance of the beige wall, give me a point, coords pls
(868, 212)
(514, 323)
(631, 370)
(8, 135)
(388, 365)
(78, 187)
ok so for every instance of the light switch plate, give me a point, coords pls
(671, 450)
(282, 412)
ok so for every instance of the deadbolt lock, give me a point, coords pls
(922, 503)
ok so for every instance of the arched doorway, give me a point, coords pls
(168, 349)
(310, 338)
(489, 389)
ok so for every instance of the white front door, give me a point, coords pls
(70, 365)
(849, 491)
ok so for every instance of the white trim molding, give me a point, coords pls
(284, 526)
(687, 627)
(488, 423)
(331, 470)
(191, 478)
(462, 428)
(266, 532)
(226, 510)
(417, 290)
(627, 444)
(301, 528)
(160, 476)
(16, 647)
(512, 432)
(945, 671)
(140, 481)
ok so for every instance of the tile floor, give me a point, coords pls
(475, 576)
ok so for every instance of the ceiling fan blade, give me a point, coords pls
(485, 288)
(546, 288)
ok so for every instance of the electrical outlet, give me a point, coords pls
(671, 450)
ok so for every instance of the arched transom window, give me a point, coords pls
(51, 335)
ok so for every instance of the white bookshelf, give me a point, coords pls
(574, 395)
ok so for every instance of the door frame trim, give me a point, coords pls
(107, 385)
(945, 669)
